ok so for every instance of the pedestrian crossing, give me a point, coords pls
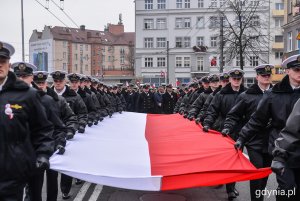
(86, 192)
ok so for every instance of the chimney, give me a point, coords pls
(116, 29)
(82, 27)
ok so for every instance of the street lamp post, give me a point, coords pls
(22, 24)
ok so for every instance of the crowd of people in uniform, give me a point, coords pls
(38, 117)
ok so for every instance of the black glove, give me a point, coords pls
(197, 121)
(101, 119)
(225, 132)
(120, 111)
(110, 115)
(205, 128)
(90, 123)
(181, 112)
(61, 149)
(81, 129)
(185, 115)
(42, 163)
(69, 136)
(96, 123)
(239, 145)
(277, 167)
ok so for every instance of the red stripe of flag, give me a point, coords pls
(187, 157)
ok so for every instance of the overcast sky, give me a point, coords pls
(94, 14)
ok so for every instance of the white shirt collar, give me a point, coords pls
(1, 86)
(62, 91)
(294, 87)
(263, 90)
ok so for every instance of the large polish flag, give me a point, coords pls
(154, 153)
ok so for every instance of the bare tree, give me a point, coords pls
(130, 56)
(245, 30)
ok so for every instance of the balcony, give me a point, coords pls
(277, 13)
(277, 45)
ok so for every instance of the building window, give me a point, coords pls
(238, 61)
(254, 3)
(298, 41)
(161, 4)
(148, 4)
(76, 67)
(200, 41)
(279, 71)
(94, 62)
(148, 42)
(187, 22)
(178, 3)
(255, 20)
(161, 62)
(64, 66)
(187, 61)
(278, 39)
(278, 22)
(76, 46)
(178, 22)
(278, 55)
(200, 63)
(290, 41)
(213, 41)
(148, 24)
(76, 56)
(213, 3)
(178, 61)
(200, 22)
(222, 3)
(187, 41)
(187, 3)
(213, 22)
(253, 61)
(178, 42)
(122, 50)
(64, 43)
(183, 22)
(200, 3)
(241, 3)
(148, 62)
(64, 55)
(86, 67)
(290, 6)
(237, 21)
(161, 42)
(122, 59)
(279, 6)
(161, 23)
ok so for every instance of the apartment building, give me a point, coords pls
(105, 54)
(183, 37)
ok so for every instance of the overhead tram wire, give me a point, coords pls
(58, 19)
(51, 13)
(65, 13)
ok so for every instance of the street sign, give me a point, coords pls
(298, 36)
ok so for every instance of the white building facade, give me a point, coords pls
(183, 24)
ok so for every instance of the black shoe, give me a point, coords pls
(65, 196)
(231, 196)
(78, 182)
(236, 192)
